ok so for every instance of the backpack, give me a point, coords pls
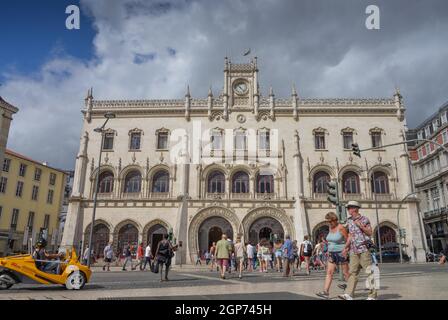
(309, 247)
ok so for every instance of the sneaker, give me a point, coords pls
(342, 286)
(371, 298)
(123, 270)
(323, 294)
(345, 296)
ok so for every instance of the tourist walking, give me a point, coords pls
(337, 238)
(148, 256)
(240, 255)
(250, 257)
(306, 250)
(223, 251)
(164, 254)
(265, 256)
(108, 254)
(288, 256)
(207, 257)
(140, 257)
(85, 256)
(297, 261)
(358, 245)
(127, 257)
(198, 258)
(213, 257)
(278, 254)
(318, 256)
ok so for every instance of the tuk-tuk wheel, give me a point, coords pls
(7, 281)
(75, 281)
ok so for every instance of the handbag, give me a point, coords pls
(154, 267)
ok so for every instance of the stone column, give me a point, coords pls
(300, 223)
(181, 228)
(75, 213)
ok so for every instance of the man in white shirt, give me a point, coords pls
(108, 256)
(148, 255)
(250, 257)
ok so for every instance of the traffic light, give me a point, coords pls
(355, 149)
(332, 190)
(402, 233)
(170, 235)
(342, 213)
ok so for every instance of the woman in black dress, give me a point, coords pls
(164, 253)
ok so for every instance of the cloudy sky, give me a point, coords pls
(137, 49)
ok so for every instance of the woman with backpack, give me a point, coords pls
(164, 253)
(306, 250)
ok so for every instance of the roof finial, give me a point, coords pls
(397, 91)
(271, 91)
(210, 93)
(188, 91)
(294, 91)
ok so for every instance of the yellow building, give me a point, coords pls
(31, 196)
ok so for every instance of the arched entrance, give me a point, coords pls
(320, 232)
(155, 235)
(211, 230)
(265, 228)
(265, 233)
(100, 238)
(128, 234)
(388, 237)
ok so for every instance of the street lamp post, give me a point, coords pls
(398, 224)
(376, 211)
(97, 182)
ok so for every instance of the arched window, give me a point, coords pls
(161, 182)
(133, 182)
(216, 182)
(380, 182)
(106, 184)
(350, 182)
(320, 182)
(240, 182)
(265, 184)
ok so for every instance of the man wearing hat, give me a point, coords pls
(358, 244)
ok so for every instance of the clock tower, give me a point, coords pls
(241, 85)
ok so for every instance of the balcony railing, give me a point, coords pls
(434, 213)
(352, 196)
(240, 196)
(131, 195)
(159, 195)
(383, 196)
(215, 195)
(266, 196)
(320, 196)
(105, 196)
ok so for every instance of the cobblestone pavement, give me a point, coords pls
(409, 281)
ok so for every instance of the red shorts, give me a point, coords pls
(223, 262)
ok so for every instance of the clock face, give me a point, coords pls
(240, 87)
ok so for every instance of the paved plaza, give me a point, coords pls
(408, 281)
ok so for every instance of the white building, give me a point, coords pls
(237, 162)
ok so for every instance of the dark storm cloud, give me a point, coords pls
(321, 46)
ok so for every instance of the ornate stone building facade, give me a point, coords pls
(430, 166)
(237, 162)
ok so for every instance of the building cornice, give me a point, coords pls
(9, 107)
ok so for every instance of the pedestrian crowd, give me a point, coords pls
(347, 248)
